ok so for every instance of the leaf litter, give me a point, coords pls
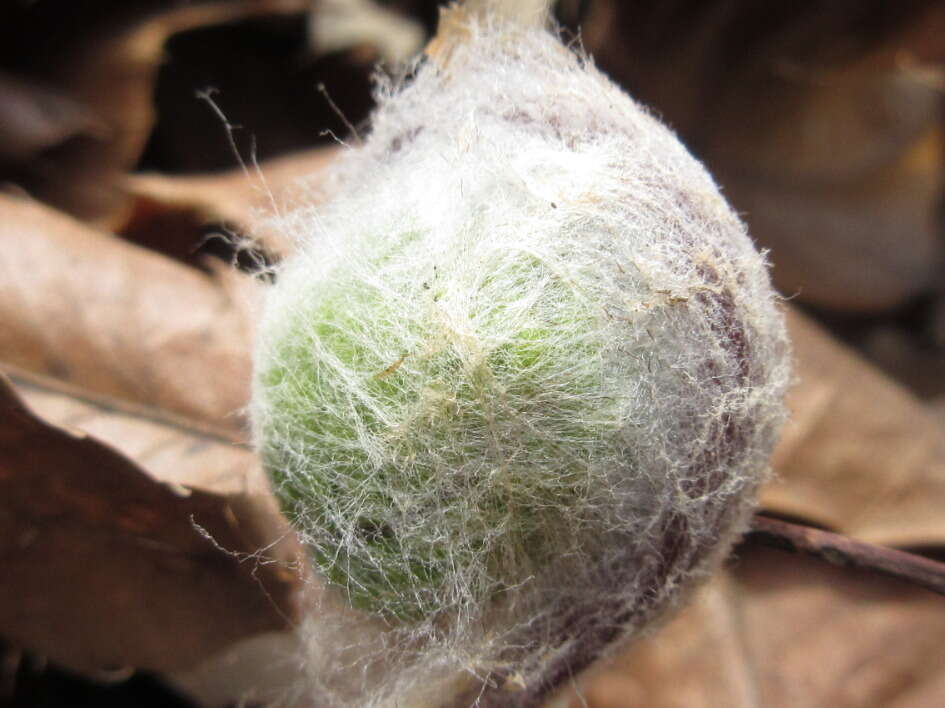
(155, 371)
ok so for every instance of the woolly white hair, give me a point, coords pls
(520, 384)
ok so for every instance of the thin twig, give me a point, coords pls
(845, 551)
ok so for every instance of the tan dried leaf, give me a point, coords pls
(120, 321)
(778, 631)
(108, 565)
(861, 455)
(169, 213)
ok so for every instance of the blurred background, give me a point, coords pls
(822, 121)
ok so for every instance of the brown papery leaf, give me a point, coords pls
(108, 565)
(120, 321)
(779, 631)
(861, 455)
(824, 636)
(170, 213)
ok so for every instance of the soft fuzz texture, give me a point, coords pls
(522, 379)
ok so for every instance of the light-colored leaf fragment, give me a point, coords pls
(336, 25)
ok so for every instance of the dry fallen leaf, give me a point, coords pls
(834, 469)
(151, 357)
(121, 321)
(108, 565)
(860, 455)
(170, 213)
(779, 630)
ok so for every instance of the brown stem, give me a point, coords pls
(845, 551)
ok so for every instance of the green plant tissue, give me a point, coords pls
(521, 378)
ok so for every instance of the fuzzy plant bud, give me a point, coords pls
(519, 385)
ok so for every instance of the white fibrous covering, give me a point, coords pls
(519, 385)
